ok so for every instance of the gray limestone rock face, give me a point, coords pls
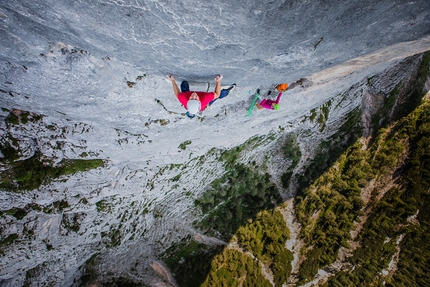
(264, 41)
(93, 73)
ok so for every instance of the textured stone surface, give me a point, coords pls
(264, 41)
(96, 71)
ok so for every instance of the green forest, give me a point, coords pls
(264, 237)
(390, 218)
(379, 186)
(226, 206)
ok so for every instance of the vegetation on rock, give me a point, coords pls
(31, 173)
(20, 171)
(390, 220)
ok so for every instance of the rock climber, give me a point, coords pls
(270, 104)
(273, 104)
(195, 102)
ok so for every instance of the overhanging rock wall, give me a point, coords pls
(264, 41)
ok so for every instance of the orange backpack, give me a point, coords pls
(282, 87)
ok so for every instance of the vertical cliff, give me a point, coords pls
(104, 181)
